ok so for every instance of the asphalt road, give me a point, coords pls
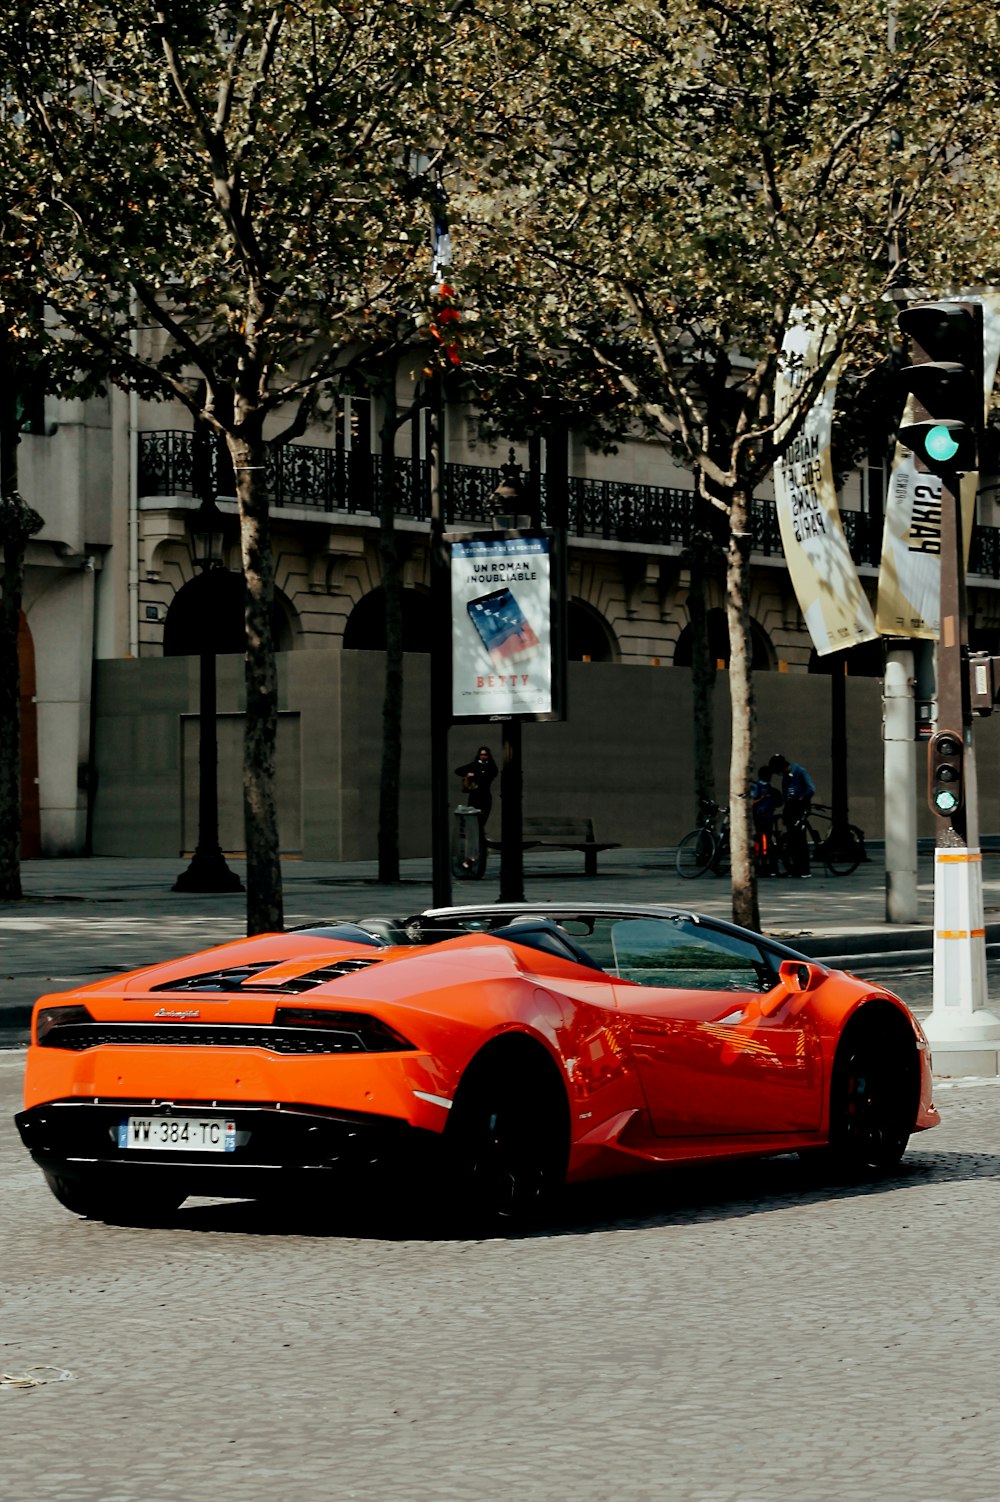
(713, 1336)
(710, 1336)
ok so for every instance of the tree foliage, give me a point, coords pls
(222, 202)
(231, 204)
(682, 182)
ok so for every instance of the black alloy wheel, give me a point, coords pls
(506, 1145)
(871, 1101)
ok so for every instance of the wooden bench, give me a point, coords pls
(562, 832)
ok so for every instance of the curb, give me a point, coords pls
(846, 950)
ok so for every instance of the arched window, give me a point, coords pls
(209, 611)
(762, 658)
(365, 629)
(589, 638)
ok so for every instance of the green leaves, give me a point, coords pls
(243, 166)
(675, 180)
(645, 189)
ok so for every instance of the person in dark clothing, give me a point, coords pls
(797, 789)
(765, 800)
(478, 777)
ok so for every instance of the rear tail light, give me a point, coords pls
(374, 1035)
(51, 1018)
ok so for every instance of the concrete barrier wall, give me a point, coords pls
(624, 755)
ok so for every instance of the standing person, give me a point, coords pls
(765, 800)
(797, 789)
(478, 777)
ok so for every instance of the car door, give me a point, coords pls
(711, 1062)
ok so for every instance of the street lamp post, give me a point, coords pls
(507, 503)
(507, 506)
(208, 871)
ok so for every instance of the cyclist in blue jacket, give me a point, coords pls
(798, 789)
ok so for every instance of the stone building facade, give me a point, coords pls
(108, 583)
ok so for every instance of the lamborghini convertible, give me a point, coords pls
(485, 1055)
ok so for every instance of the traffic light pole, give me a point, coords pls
(942, 427)
(960, 994)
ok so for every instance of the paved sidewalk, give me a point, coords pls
(81, 919)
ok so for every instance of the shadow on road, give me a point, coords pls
(702, 1194)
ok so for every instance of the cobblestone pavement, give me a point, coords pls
(719, 1336)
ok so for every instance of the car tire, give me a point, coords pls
(872, 1097)
(140, 1204)
(506, 1144)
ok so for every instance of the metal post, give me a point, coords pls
(838, 750)
(208, 871)
(440, 657)
(511, 822)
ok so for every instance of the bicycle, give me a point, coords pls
(705, 848)
(841, 852)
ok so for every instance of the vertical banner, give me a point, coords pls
(826, 584)
(909, 587)
(502, 645)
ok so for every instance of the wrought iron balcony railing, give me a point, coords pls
(329, 480)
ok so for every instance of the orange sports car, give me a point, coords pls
(509, 1049)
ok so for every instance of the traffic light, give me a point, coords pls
(945, 774)
(945, 382)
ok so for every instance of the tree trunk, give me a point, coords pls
(265, 910)
(392, 701)
(702, 670)
(17, 523)
(741, 762)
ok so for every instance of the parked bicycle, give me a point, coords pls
(840, 851)
(706, 848)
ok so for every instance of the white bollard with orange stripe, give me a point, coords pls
(960, 1013)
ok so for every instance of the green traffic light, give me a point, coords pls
(945, 801)
(939, 445)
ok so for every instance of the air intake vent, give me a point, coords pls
(240, 978)
(314, 978)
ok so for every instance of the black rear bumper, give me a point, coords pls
(78, 1140)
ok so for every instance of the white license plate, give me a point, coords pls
(178, 1134)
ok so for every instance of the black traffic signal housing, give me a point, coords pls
(944, 417)
(946, 773)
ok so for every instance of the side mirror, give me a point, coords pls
(801, 975)
(794, 975)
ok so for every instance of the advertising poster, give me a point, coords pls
(909, 580)
(833, 604)
(501, 627)
(909, 586)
